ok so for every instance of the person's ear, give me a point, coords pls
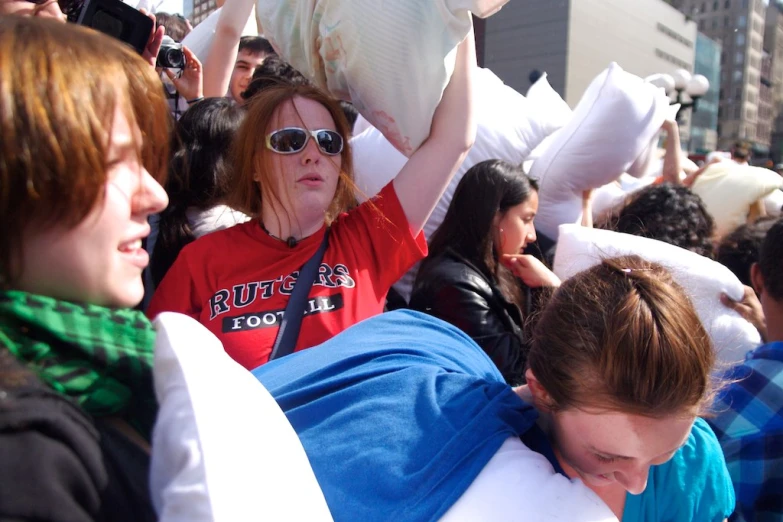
(756, 279)
(541, 398)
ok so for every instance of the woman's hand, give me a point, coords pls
(154, 42)
(190, 85)
(530, 270)
(750, 309)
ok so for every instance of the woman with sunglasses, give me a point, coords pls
(85, 136)
(293, 176)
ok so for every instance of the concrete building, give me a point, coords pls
(739, 26)
(574, 40)
(201, 10)
(704, 122)
(773, 46)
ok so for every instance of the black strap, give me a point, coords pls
(288, 333)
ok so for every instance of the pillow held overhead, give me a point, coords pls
(392, 60)
(703, 280)
(613, 124)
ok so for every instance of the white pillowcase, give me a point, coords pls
(774, 203)
(200, 39)
(519, 484)
(728, 189)
(392, 59)
(703, 280)
(555, 112)
(221, 448)
(614, 123)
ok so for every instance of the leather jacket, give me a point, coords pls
(453, 289)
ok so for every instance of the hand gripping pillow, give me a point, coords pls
(613, 124)
(222, 449)
(703, 279)
(392, 59)
(199, 40)
(729, 189)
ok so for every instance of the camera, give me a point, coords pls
(170, 55)
(117, 19)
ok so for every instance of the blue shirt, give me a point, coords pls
(400, 413)
(749, 426)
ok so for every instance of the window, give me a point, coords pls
(738, 94)
(739, 58)
(740, 39)
(723, 57)
(744, 4)
(725, 21)
(727, 4)
(742, 21)
(737, 75)
(715, 5)
(701, 25)
(714, 23)
(750, 115)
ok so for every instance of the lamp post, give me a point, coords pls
(687, 88)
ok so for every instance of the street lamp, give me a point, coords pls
(681, 82)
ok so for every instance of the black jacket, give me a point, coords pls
(451, 288)
(59, 464)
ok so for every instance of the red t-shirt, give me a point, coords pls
(237, 281)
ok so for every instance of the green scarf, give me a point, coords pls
(99, 357)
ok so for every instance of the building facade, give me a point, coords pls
(704, 121)
(740, 26)
(574, 40)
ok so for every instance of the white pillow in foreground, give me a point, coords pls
(519, 484)
(222, 450)
(703, 279)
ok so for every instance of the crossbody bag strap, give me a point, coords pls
(288, 333)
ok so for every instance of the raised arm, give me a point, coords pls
(421, 183)
(225, 46)
(671, 160)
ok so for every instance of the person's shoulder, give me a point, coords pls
(221, 239)
(449, 269)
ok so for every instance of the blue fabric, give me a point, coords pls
(693, 485)
(749, 426)
(397, 415)
(400, 413)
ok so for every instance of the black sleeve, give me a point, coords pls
(464, 303)
(43, 479)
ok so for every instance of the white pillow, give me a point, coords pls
(703, 279)
(728, 189)
(199, 40)
(392, 59)
(549, 104)
(774, 203)
(521, 485)
(613, 124)
(221, 448)
(508, 128)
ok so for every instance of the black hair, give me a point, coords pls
(770, 261)
(487, 189)
(351, 114)
(198, 173)
(669, 213)
(255, 45)
(176, 26)
(273, 71)
(740, 249)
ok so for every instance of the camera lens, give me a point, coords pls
(175, 58)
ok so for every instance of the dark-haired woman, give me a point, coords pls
(197, 180)
(471, 278)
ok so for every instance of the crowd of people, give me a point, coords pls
(497, 390)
